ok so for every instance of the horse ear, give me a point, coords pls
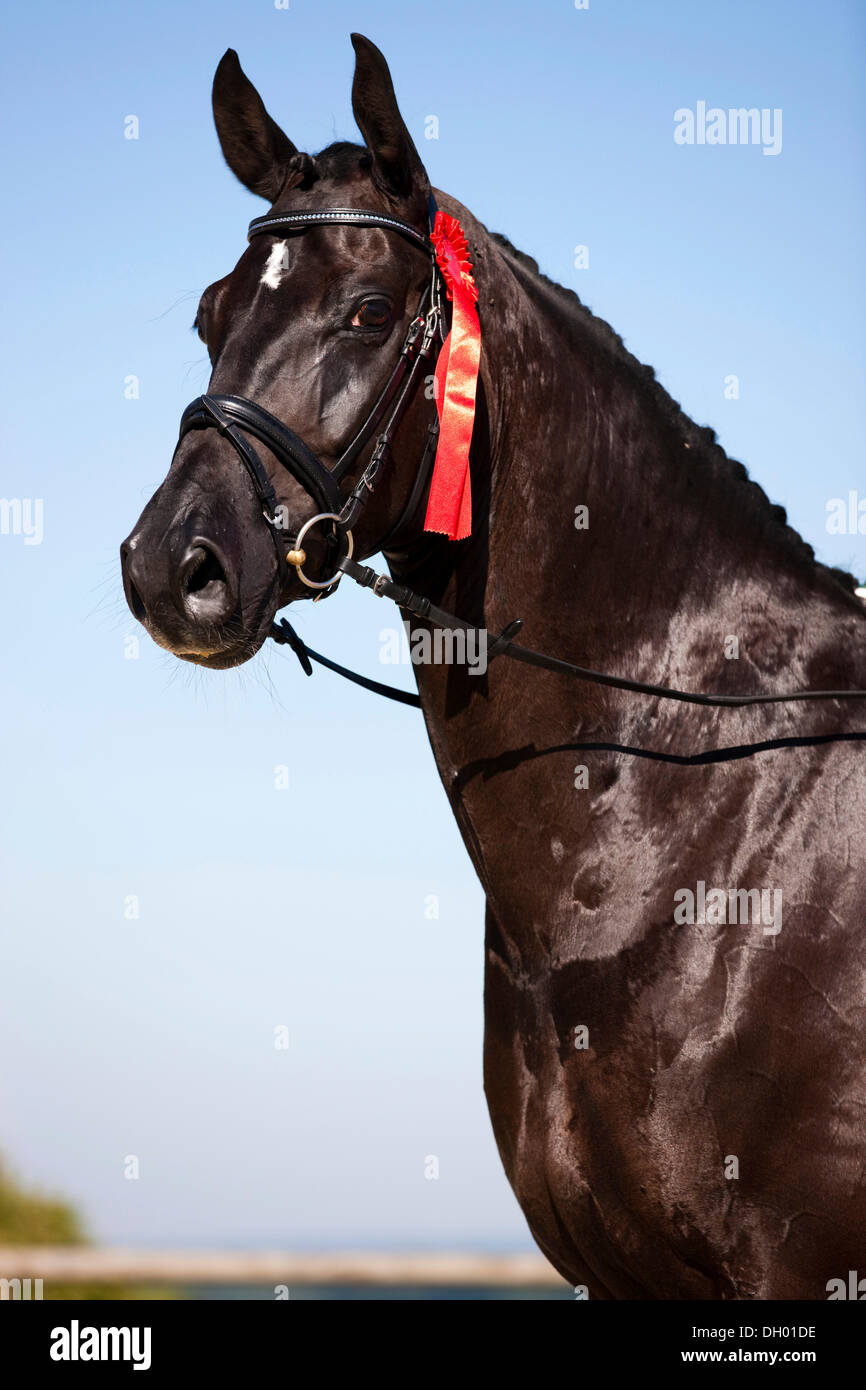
(397, 168)
(255, 148)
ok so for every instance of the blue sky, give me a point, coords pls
(154, 1036)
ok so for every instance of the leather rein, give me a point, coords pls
(236, 417)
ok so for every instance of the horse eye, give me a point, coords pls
(373, 313)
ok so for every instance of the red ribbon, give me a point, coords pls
(449, 508)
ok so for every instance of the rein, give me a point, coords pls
(504, 645)
(232, 415)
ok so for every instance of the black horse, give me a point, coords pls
(675, 988)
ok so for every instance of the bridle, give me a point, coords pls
(236, 416)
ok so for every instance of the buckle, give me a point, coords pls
(431, 326)
(412, 333)
(375, 463)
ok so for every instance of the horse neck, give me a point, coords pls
(677, 537)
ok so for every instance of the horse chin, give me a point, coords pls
(222, 660)
(247, 641)
(241, 647)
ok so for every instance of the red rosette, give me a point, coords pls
(449, 508)
(452, 254)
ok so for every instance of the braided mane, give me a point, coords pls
(701, 439)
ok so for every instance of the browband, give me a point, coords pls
(359, 217)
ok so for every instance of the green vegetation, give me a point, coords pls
(28, 1217)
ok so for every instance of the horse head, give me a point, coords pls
(308, 327)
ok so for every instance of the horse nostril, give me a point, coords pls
(206, 569)
(204, 583)
(136, 602)
(133, 597)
